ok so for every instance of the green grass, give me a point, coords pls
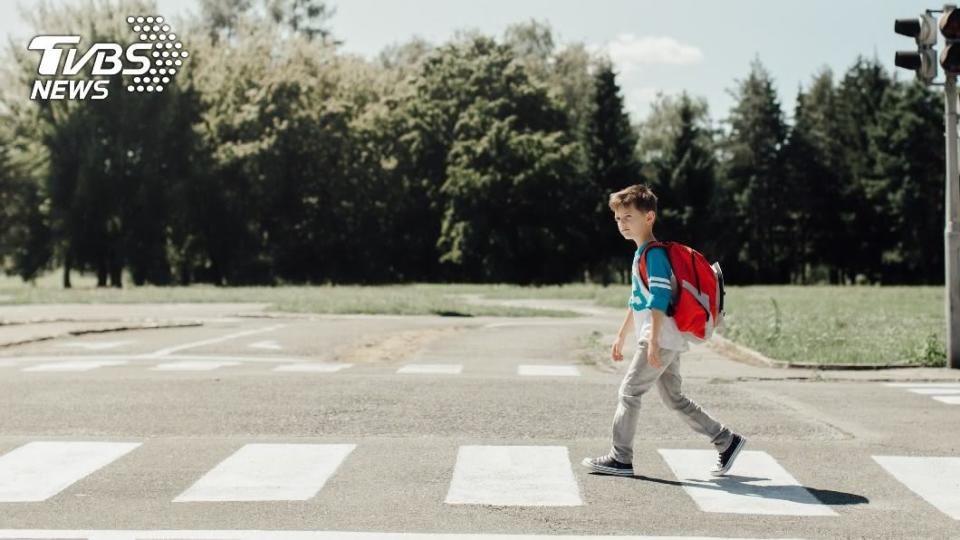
(855, 325)
(821, 324)
(415, 299)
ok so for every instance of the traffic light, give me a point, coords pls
(923, 29)
(950, 28)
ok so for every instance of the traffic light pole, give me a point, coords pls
(952, 231)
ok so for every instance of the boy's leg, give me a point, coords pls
(669, 386)
(639, 378)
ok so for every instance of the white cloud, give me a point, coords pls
(629, 52)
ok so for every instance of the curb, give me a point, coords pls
(80, 332)
(746, 355)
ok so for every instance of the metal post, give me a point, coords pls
(952, 230)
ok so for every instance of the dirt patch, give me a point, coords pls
(395, 346)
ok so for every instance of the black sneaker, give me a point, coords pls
(608, 465)
(728, 456)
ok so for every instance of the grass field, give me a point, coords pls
(802, 324)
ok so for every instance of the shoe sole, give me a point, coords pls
(606, 470)
(733, 457)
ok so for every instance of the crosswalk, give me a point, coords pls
(234, 534)
(491, 475)
(86, 363)
(943, 392)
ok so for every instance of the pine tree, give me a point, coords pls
(754, 181)
(613, 166)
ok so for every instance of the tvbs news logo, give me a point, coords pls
(148, 65)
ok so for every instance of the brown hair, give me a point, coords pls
(639, 196)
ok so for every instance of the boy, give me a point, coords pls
(659, 345)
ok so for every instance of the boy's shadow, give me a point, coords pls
(738, 485)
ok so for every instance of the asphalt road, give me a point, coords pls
(410, 427)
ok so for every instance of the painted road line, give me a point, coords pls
(445, 369)
(313, 367)
(949, 400)
(537, 370)
(236, 534)
(75, 365)
(39, 470)
(95, 345)
(269, 472)
(757, 484)
(935, 479)
(233, 358)
(935, 391)
(193, 365)
(923, 385)
(211, 341)
(514, 476)
(270, 345)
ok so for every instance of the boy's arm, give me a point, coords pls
(616, 351)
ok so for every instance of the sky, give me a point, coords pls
(699, 46)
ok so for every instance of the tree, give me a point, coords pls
(816, 172)
(613, 166)
(754, 180)
(907, 184)
(677, 148)
(860, 98)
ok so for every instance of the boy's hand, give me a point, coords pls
(653, 355)
(616, 350)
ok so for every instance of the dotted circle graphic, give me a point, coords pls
(165, 53)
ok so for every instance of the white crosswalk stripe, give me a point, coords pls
(536, 370)
(234, 534)
(756, 484)
(514, 476)
(75, 365)
(502, 475)
(269, 472)
(441, 369)
(39, 470)
(194, 365)
(935, 479)
(313, 367)
(944, 392)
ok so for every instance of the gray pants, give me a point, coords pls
(639, 378)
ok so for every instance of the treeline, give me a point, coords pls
(276, 158)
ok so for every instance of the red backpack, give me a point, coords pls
(697, 302)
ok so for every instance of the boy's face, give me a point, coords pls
(634, 224)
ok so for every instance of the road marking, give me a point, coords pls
(4, 362)
(923, 385)
(271, 345)
(39, 470)
(235, 534)
(193, 365)
(269, 472)
(950, 400)
(934, 391)
(935, 479)
(447, 369)
(757, 484)
(211, 341)
(315, 367)
(537, 370)
(514, 476)
(75, 365)
(95, 345)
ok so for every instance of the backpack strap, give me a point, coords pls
(642, 268)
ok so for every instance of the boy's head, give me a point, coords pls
(635, 211)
